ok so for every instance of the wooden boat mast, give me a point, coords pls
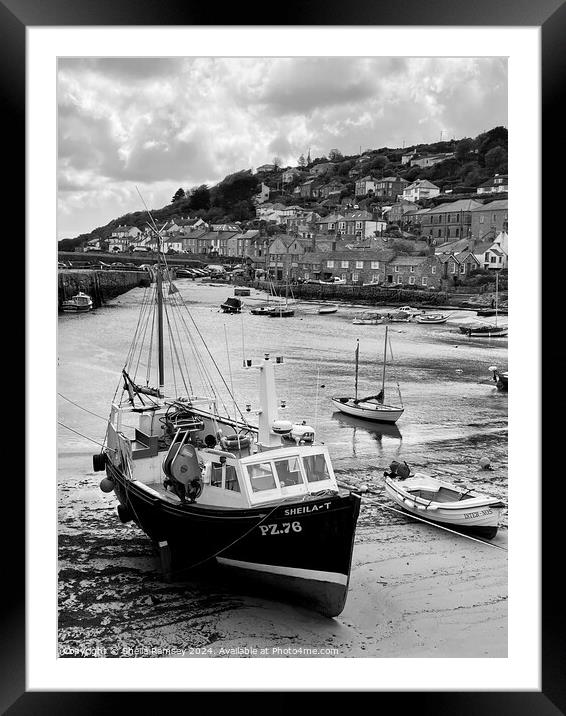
(160, 317)
(496, 294)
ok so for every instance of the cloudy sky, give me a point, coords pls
(164, 123)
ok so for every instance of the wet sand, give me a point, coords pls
(415, 591)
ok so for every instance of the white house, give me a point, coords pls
(420, 189)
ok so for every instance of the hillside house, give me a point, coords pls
(489, 220)
(390, 188)
(496, 185)
(420, 189)
(449, 221)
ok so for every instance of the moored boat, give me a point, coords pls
(500, 378)
(372, 407)
(214, 490)
(80, 303)
(324, 310)
(231, 305)
(431, 318)
(485, 330)
(444, 503)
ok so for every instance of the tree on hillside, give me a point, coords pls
(496, 160)
(178, 195)
(276, 162)
(240, 186)
(199, 198)
(335, 155)
(301, 161)
(463, 149)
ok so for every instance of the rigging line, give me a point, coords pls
(174, 311)
(142, 341)
(238, 539)
(150, 357)
(174, 347)
(214, 363)
(131, 351)
(207, 382)
(170, 349)
(84, 436)
(230, 371)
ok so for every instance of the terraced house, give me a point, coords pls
(448, 222)
(489, 220)
(424, 271)
(390, 188)
(360, 267)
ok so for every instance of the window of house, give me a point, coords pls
(424, 281)
(433, 269)
(344, 264)
(492, 259)
(399, 279)
(307, 275)
(411, 280)
(330, 264)
(359, 264)
(481, 218)
(463, 268)
(375, 264)
(355, 276)
(412, 269)
(396, 269)
(453, 268)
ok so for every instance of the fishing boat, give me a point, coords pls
(241, 291)
(211, 489)
(79, 303)
(231, 305)
(444, 503)
(431, 318)
(486, 312)
(500, 378)
(487, 330)
(372, 407)
(325, 310)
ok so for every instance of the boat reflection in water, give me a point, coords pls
(376, 430)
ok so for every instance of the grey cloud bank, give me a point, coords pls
(161, 123)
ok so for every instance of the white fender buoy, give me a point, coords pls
(421, 507)
(363, 487)
(485, 463)
(106, 484)
(431, 507)
(409, 503)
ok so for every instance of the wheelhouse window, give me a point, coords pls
(261, 477)
(288, 471)
(316, 468)
(231, 482)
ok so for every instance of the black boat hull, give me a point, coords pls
(301, 548)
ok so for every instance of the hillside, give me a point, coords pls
(475, 160)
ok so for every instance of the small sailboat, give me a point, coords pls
(210, 488)
(80, 303)
(439, 501)
(487, 330)
(372, 407)
(283, 310)
(325, 310)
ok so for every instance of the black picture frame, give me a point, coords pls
(15, 17)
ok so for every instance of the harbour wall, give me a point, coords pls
(378, 295)
(99, 285)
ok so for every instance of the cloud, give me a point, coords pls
(169, 122)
